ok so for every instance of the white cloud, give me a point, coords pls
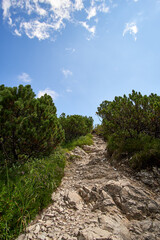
(91, 30)
(68, 90)
(96, 20)
(17, 33)
(10, 21)
(79, 4)
(67, 72)
(135, 0)
(70, 50)
(42, 18)
(41, 30)
(6, 4)
(91, 12)
(95, 8)
(39, 18)
(103, 8)
(132, 29)
(24, 77)
(48, 91)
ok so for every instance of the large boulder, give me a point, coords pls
(133, 201)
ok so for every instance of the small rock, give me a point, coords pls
(153, 207)
(21, 237)
(37, 229)
(42, 235)
(74, 200)
(149, 236)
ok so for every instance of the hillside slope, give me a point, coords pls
(97, 202)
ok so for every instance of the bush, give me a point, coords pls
(148, 156)
(29, 126)
(131, 125)
(27, 189)
(75, 126)
(130, 116)
(127, 146)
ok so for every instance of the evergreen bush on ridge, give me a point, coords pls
(29, 126)
(131, 125)
(75, 126)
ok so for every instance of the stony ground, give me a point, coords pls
(97, 202)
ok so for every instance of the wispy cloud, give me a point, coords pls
(6, 4)
(95, 8)
(42, 18)
(67, 72)
(17, 33)
(48, 91)
(104, 8)
(91, 30)
(24, 77)
(132, 29)
(41, 30)
(91, 12)
(79, 4)
(68, 90)
(70, 50)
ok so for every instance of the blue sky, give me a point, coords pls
(81, 52)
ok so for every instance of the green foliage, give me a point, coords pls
(29, 126)
(131, 115)
(83, 140)
(148, 155)
(127, 146)
(98, 129)
(130, 124)
(25, 190)
(75, 126)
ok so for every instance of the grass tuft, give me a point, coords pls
(83, 140)
(26, 190)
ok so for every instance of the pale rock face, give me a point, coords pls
(118, 226)
(74, 200)
(132, 201)
(79, 152)
(93, 233)
(98, 202)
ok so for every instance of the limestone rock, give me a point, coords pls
(74, 200)
(21, 237)
(132, 201)
(115, 225)
(79, 151)
(93, 233)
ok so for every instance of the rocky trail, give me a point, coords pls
(98, 202)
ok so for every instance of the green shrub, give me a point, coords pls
(143, 151)
(27, 189)
(29, 126)
(128, 145)
(145, 159)
(131, 126)
(131, 115)
(75, 126)
(148, 156)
